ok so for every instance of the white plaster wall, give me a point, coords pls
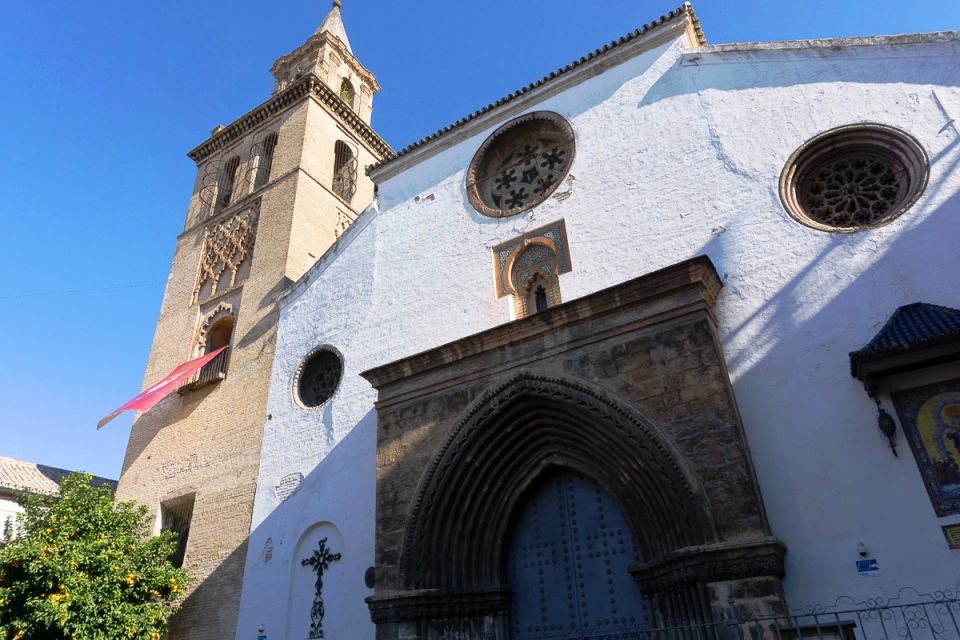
(675, 158)
(8, 511)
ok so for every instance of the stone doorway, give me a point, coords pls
(625, 387)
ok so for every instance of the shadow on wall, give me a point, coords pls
(817, 317)
(893, 274)
(695, 73)
(906, 254)
(280, 590)
(196, 619)
(176, 407)
(171, 409)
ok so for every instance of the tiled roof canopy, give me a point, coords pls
(19, 475)
(912, 327)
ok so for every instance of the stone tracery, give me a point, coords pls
(854, 177)
(520, 164)
(226, 247)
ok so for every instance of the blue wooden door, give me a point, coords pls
(567, 563)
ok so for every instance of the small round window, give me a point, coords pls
(520, 164)
(854, 177)
(319, 377)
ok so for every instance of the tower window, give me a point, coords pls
(228, 180)
(175, 516)
(263, 160)
(216, 332)
(219, 335)
(344, 171)
(540, 298)
(347, 93)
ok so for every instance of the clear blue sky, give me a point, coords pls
(100, 101)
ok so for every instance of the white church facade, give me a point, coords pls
(671, 152)
(668, 336)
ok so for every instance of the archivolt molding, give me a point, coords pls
(223, 310)
(502, 444)
(541, 258)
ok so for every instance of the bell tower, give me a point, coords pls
(274, 190)
(327, 55)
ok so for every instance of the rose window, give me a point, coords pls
(319, 378)
(520, 164)
(854, 178)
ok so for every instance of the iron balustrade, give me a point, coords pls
(213, 371)
(909, 616)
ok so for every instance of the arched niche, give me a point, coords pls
(301, 613)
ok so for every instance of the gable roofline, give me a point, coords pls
(670, 25)
(933, 37)
(294, 289)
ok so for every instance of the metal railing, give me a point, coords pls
(213, 371)
(909, 616)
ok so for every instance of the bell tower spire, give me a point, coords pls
(327, 54)
(333, 24)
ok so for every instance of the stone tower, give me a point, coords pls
(274, 190)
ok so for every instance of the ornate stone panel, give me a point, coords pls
(227, 246)
(537, 257)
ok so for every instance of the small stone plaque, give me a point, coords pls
(952, 533)
(288, 485)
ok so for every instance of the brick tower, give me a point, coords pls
(274, 190)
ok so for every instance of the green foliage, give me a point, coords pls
(85, 568)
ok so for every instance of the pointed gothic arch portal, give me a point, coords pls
(507, 458)
(502, 447)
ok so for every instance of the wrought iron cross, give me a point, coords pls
(320, 561)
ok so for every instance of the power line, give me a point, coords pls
(69, 291)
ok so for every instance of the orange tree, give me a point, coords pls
(80, 566)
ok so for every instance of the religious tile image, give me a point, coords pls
(930, 417)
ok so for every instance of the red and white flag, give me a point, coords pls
(156, 393)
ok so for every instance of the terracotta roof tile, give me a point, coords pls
(911, 326)
(685, 9)
(19, 475)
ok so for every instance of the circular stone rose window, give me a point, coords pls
(520, 164)
(854, 177)
(319, 377)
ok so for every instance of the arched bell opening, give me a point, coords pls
(216, 332)
(219, 334)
